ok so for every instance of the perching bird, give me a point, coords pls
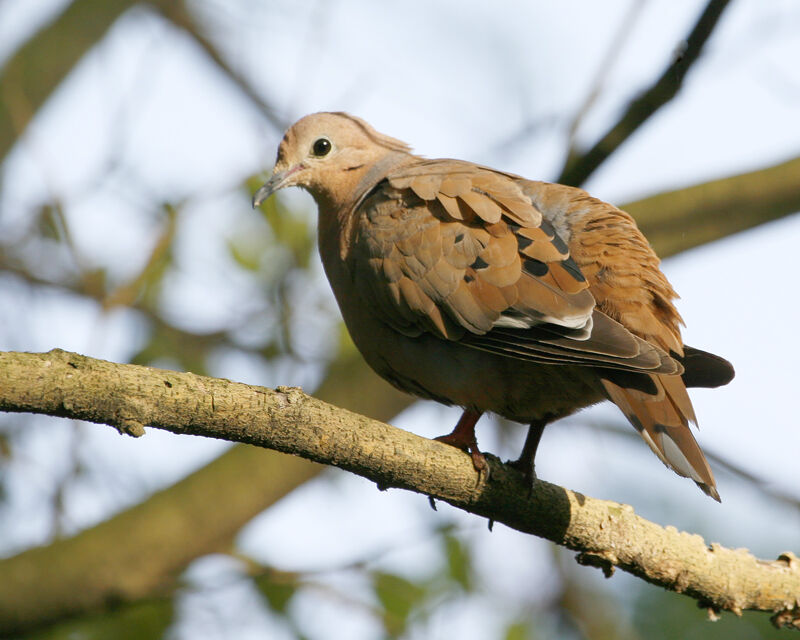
(478, 288)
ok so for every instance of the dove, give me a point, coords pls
(478, 288)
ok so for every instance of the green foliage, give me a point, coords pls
(145, 620)
(278, 589)
(398, 597)
(49, 222)
(404, 601)
(290, 232)
(459, 562)
(520, 630)
(149, 281)
(246, 254)
(400, 602)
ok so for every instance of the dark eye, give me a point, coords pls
(322, 147)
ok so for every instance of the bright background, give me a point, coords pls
(145, 119)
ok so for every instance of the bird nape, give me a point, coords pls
(479, 288)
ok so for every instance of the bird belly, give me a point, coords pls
(451, 373)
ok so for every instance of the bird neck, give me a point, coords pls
(340, 193)
(337, 206)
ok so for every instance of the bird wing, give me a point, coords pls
(460, 251)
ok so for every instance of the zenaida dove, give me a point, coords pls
(478, 288)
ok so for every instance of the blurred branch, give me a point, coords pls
(184, 19)
(38, 66)
(686, 218)
(186, 347)
(606, 64)
(126, 294)
(31, 75)
(606, 534)
(139, 553)
(578, 167)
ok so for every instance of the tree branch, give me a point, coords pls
(34, 71)
(31, 75)
(174, 526)
(679, 220)
(178, 14)
(578, 168)
(606, 534)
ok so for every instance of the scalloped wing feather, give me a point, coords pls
(487, 269)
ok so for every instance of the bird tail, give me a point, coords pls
(662, 419)
(703, 369)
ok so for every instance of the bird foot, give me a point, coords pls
(470, 445)
(528, 470)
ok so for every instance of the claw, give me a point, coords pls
(528, 469)
(463, 437)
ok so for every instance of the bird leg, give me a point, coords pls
(463, 437)
(526, 462)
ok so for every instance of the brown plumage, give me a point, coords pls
(479, 288)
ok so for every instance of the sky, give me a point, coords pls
(463, 80)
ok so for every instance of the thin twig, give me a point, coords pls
(615, 47)
(177, 14)
(577, 169)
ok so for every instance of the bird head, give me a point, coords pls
(329, 154)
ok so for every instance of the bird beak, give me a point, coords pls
(278, 180)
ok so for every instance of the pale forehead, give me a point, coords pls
(341, 128)
(311, 127)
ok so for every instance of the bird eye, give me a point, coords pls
(322, 147)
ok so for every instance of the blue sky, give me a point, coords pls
(454, 80)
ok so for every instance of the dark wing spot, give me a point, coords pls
(459, 237)
(555, 239)
(573, 269)
(468, 277)
(559, 244)
(524, 242)
(547, 228)
(479, 263)
(534, 267)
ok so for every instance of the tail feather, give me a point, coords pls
(676, 391)
(662, 419)
(703, 369)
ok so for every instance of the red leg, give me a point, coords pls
(463, 437)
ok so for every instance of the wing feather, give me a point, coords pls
(470, 257)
